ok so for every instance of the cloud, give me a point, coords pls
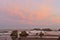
(29, 13)
(55, 20)
(42, 13)
(50, 1)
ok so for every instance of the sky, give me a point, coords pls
(29, 14)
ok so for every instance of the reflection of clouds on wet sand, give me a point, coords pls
(29, 37)
(5, 38)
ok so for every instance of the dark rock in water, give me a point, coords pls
(58, 38)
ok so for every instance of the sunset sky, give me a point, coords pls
(29, 13)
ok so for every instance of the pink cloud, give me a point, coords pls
(40, 14)
(50, 1)
(55, 20)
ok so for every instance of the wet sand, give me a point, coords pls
(29, 38)
(38, 39)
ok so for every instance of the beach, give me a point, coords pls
(30, 38)
(50, 36)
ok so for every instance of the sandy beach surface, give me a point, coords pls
(30, 38)
(51, 37)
